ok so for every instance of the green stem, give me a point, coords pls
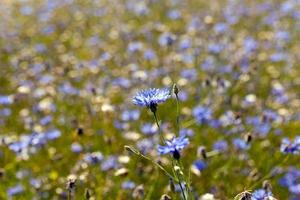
(136, 152)
(178, 114)
(158, 126)
(187, 180)
(163, 140)
(178, 129)
(181, 188)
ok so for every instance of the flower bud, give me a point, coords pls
(175, 89)
(165, 197)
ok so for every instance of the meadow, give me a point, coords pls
(150, 99)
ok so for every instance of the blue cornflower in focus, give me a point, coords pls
(288, 146)
(151, 97)
(261, 194)
(174, 146)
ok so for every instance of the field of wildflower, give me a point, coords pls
(150, 99)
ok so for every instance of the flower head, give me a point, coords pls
(288, 146)
(174, 146)
(151, 97)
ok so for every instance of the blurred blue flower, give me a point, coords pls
(151, 97)
(149, 54)
(149, 129)
(49, 29)
(288, 146)
(109, 163)
(122, 82)
(185, 44)
(120, 125)
(134, 47)
(189, 74)
(46, 120)
(215, 48)
(40, 48)
(278, 57)
(17, 147)
(145, 145)
(261, 194)
(139, 9)
(76, 147)
(287, 6)
(278, 91)
(208, 64)
(6, 100)
(128, 185)
(36, 183)
(166, 39)
(229, 119)
(67, 88)
(105, 56)
(291, 178)
(202, 114)
(186, 132)
(15, 190)
(174, 14)
(282, 35)
(130, 115)
(187, 58)
(5, 112)
(221, 28)
(200, 165)
(26, 10)
(240, 144)
(261, 127)
(220, 145)
(250, 44)
(183, 96)
(174, 145)
(52, 134)
(295, 189)
(93, 158)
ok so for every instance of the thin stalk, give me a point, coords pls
(178, 115)
(163, 140)
(181, 188)
(136, 152)
(158, 126)
(187, 180)
(187, 188)
(159, 166)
